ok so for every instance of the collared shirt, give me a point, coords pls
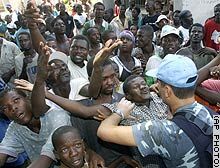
(118, 26)
(157, 110)
(165, 138)
(19, 138)
(91, 23)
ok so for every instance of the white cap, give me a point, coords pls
(167, 29)
(11, 26)
(161, 17)
(58, 55)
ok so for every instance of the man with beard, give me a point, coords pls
(26, 62)
(93, 35)
(98, 21)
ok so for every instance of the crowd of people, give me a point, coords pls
(102, 87)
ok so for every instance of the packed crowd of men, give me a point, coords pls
(107, 87)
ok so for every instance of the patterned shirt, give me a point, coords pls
(156, 110)
(165, 138)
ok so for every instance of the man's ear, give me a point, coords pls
(168, 91)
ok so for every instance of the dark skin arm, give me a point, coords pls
(7, 76)
(212, 97)
(3, 158)
(100, 57)
(76, 108)
(32, 15)
(38, 102)
(42, 161)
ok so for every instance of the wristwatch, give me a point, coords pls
(120, 113)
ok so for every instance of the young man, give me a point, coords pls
(26, 62)
(177, 77)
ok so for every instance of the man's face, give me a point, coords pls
(60, 72)
(99, 11)
(188, 19)
(170, 44)
(138, 90)
(131, 3)
(25, 42)
(62, 8)
(162, 92)
(108, 80)
(127, 44)
(59, 27)
(79, 51)
(149, 6)
(122, 10)
(94, 36)
(70, 149)
(176, 19)
(217, 14)
(196, 34)
(16, 108)
(143, 38)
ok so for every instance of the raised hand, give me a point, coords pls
(105, 51)
(23, 84)
(43, 67)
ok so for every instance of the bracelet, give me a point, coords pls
(120, 113)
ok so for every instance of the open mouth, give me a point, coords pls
(20, 115)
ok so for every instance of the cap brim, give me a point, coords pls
(152, 73)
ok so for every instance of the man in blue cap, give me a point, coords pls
(177, 76)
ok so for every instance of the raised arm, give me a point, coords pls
(32, 15)
(38, 102)
(100, 57)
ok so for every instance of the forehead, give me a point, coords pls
(23, 36)
(108, 70)
(57, 62)
(99, 7)
(68, 136)
(80, 43)
(197, 28)
(59, 21)
(136, 80)
(8, 96)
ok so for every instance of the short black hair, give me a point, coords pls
(25, 33)
(147, 28)
(55, 20)
(137, 9)
(7, 90)
(127, 82)
(197, 25)
(181, 93)
(183, 14)
(91, 29)
(105, 34)
(62, 130)
(96, 4)
(81, 37)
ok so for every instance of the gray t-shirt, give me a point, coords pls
(165, 138)
(19, 138)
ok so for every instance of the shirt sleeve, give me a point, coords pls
(11, 144)
(155, 137)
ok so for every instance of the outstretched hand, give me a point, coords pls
(32, 13)
(105, 51)
(23, 84)
(43, 67)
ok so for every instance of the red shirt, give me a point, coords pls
(212, 34)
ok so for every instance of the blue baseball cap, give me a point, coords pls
(176, 70)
